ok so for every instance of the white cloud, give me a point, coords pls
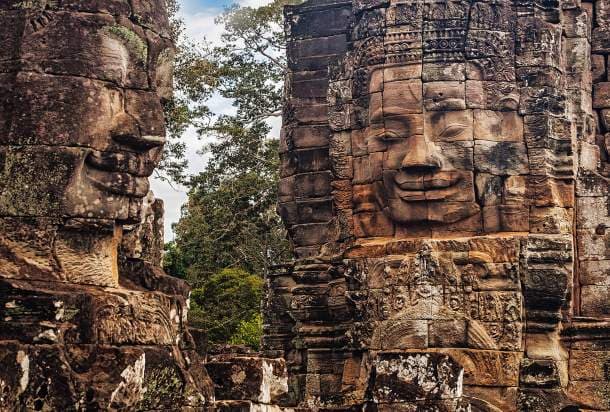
(201, 26)
(253, 3)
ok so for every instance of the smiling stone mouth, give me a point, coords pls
(428, 187)
(136, 164)
(119, 173)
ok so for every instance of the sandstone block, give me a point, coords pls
(368, 169)
(401, 377)
(448, 334)
(594, 300)
(310, 234)
(372, 224)
(402, 97)
(500, 158)
(594, 272)
(392, 74)
(601, 95)
(319, 23)
(313, 136)
(255, 379)
(541, 99)
(492, 95)
(445, 95)
(596, 393)
(399, 334)
(598, 67)
(589, 365)
(449, 126)
(314, 211)
(498, 126)
(312, 184)
(447, 71)
(310, 48)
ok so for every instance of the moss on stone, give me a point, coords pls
(133, 41)
(70, 314)
(163, 387)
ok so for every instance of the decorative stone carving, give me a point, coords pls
(468, 174)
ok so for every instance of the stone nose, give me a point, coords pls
(421, 155)
(127, 131)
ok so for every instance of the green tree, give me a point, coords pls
(249, 332)
(229, 233)
(221, 306)
(195, 80)
(229, 220)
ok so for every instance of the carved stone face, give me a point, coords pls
(425, 156)
(82, 123)
(436, 146)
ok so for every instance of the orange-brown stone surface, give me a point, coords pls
(462, 262)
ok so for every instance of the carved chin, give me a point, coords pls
(102, 198)
(405, 212)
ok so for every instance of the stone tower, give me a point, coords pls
(445, 186)
(82, 84)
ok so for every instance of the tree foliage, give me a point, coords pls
(249, 332)
(229, 221)
(228, 300)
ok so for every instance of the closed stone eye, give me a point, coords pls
(453, 130)
(387, 135)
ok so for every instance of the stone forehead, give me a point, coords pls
(98, 46)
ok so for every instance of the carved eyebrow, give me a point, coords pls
(452, 130)
(386, 134)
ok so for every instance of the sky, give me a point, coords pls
(198, 16)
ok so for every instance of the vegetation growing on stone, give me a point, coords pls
(134, 42)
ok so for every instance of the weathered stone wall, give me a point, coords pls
(444, 184)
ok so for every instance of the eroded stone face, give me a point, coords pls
(82, 118)
(87, 324)
(404, 145)
(437, 140)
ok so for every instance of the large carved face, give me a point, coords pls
(424, 156)
(81, 123)
(436, 135)
(426, 147)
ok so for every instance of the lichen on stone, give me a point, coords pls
(163, 386)
(32, 4)
(131, 39)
